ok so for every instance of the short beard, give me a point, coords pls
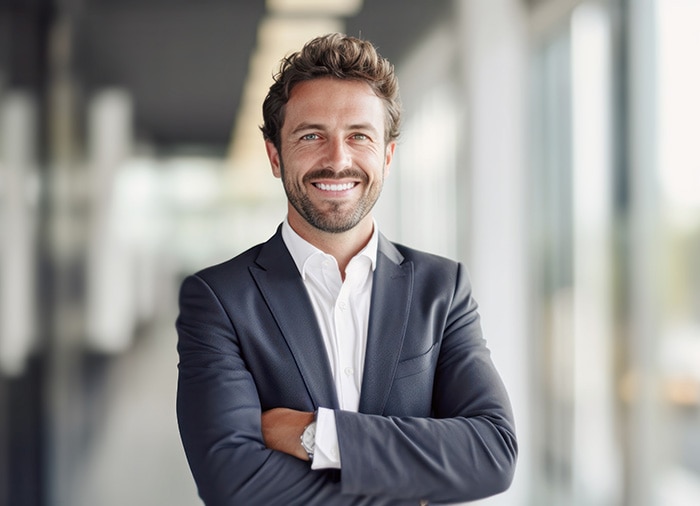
(333, 221)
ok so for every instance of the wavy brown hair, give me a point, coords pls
(341, 57)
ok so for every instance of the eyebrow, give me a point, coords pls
(307, 126)
(318, 126)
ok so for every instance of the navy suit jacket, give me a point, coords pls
(434, 420)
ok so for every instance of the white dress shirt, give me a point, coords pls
(342, 312)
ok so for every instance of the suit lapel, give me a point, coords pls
(391, 297)
(283, 289)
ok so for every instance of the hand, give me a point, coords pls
(282, 429)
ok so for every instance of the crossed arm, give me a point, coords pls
(239, 453)
(282, 429)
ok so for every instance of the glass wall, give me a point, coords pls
(615, 253)
(677, 175)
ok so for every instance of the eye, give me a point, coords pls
(309, 137)
(360, 137)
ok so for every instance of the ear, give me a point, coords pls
(274, 157)
(389, 157)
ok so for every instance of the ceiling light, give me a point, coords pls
(315, 7)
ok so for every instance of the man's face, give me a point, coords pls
(332, 158)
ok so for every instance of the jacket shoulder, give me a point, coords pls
(424, 259)
(238, 263)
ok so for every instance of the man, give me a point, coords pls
(329, 366)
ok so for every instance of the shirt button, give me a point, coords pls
(348, 371)
(342, 306)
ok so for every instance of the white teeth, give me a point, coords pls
(335, 187)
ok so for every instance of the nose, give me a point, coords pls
(338, 154)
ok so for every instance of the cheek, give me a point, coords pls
(380, 167)
(386, 169)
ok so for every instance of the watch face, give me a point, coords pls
(308, 438)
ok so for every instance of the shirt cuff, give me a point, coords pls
(326, 453)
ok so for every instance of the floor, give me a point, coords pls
(137, 458)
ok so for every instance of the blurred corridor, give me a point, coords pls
(550, 145)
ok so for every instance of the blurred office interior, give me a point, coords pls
(551, 145)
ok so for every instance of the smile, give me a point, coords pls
(334, 187)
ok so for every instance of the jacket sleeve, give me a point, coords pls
(465, 451)
(219, 419)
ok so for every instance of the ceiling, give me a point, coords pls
(185, 62)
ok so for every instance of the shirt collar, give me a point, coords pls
(302, 251)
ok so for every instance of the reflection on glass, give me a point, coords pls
(678, 167)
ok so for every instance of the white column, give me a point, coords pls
(18, 195)
(111, 276)
(597, 476)
(494, 35)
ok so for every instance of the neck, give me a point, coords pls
(342, 246)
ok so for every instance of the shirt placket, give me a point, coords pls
(346, 342)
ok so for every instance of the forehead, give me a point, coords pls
(333, 101)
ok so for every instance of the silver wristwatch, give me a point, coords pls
(308, 439)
